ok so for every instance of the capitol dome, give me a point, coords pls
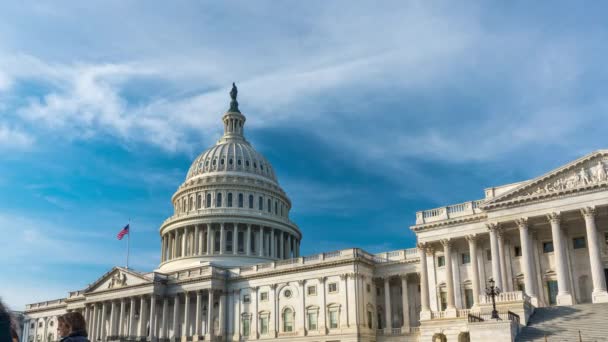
(230, 210)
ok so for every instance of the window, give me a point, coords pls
(312, 320)
(247, 163)
(440, 261)
(199, 200)
(333, 319)
(40, 325)
(269, 206)
(239, 162)
(578, 242)
(466, 258)
(264, 325)
(332, 287)
(230, 162)
(32, 326)
(517, 250)
(264, 296)
(377, 291)
(229, 241)
(287, 320)
(240, 200)
(250, 201)
(369, 319)
(444, 300)
(260, 203)
(468, 297)
(368, 287)
(230, 199)
(216, 245)
(488, 255)
(287, 293)
(218, 200)
(246, 330)
(548, 247)
(246, 299)
(208, 201)
(51, 323)
(311, 290)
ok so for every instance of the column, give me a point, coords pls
(248, 241)
(183, 242)
(162, 249)
(112, 330)
(599, 294)
(496, 274)
(524, 237)
(345, 317)
(235, 239)
(174, 248)
(274, 314)
(302, 314)
(122, 317)
(254, 315)
(449, 278)
(222, 239)
(237, 313)
(506, 282)
(387, 305)
(209, 238)
(141, 330)
(405, 328)
(196, 240)
(281, 245)
(288, 246)
(472, 240)
(221, 314)
(92, 323)
(210, 316)
(131, 331)
(273, 246)
(425, 305)
(261, 238)
(197, 324)
(163, 323)
(323, 307)
(153, 318)
(176, 320)
(563, 289)
(102, 322)
(186, 331)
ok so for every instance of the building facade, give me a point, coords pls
(231, 270)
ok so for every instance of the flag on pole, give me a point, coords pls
(123, 232)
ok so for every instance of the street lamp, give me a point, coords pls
(493, 291)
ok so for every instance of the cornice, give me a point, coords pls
(452, 221)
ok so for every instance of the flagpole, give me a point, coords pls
(128, 243)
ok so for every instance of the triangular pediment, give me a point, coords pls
(117, 277)
(587, 173)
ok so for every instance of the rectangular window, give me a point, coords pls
(332, 287)
(245, 326)
(333, 319)
(466, 258)
(312, 320)
(440, 261)
(579, 242)
(246, 299)
(521, 287)
(517, 251)
(548, 247)
(377, 291)
(311, 290)
(369, 288)
(264, 325)
(488, 255)
(263, 296)
(468, 297)
(444, 300)
(369, 319)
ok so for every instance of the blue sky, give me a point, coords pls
(368, 113)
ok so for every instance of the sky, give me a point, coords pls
(368, 112)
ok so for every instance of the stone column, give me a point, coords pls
(599, 294)
(289, 246)
(345, 317)
(261, 238)
(102, 320)
(112, 330)
(405, 304)
(92, 323)
(274, 314)
(222, 239)
(182, 241)
(254, 315)
(449, 278)
(143, 311)
(153, 336)
(248, 240)
(563, 289)
(302, 314)
(425, 305)
(237, 315)
(131, 331)
(222, 314)
(174, 249)
(506, 282)
(210, 316)
(524, 237)
(186, 331)
(198, 317)
(163, 322)
(176, 320)
(121, 320)
(196, 241)
(273, 247)
(209, 238)
(387, 306)
(496, 273)
(281, 245)
(323, 307)
(472, 240)
(235, 239)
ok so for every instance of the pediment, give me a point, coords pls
(117, 277)
(587, 173)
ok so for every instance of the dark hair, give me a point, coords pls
(75, 321)
(6, 326)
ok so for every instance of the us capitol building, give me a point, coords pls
(231, 270)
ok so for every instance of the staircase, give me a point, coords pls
(562, 324)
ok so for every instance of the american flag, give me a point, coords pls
(123, 232)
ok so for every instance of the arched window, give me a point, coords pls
(208, 201)
(218, 200)
(276, 208)
(199, 199)
(260, 203)
(229, 199)
(229, 241)
(287, 320)
(250, 201)
(240, 200)
(269, 206)
(189, 203)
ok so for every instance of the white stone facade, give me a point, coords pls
(231, 268)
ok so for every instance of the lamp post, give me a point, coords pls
(493, 291)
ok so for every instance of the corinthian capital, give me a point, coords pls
(588, 212)
(425, 248)
(446, 242)
(493, 226)
(472, 238)
(522, 223)
(554, 217)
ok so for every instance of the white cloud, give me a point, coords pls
(12, 138)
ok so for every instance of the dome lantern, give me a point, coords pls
(234, 120)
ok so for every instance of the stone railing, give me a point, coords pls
(45, 304)
(193, 273)
(402, 254)
(505, 297)
(229, 212)
(451, 211)
(75, 293)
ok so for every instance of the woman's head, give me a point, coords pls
(71, 322)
